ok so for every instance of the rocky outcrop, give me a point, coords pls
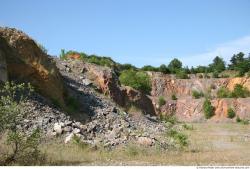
(166, 85)
(108, 83)
(105, 81)
(189, 109)
(3, 66)
(27, 62)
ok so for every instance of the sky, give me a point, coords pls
(140, 32)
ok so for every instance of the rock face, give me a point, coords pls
(189, 109)
(166, 85)
(106, 81)
(3, 66)
(26, 62)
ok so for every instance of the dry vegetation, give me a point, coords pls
(209, 144)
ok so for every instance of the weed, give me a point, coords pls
(188, 126)
(161, 101)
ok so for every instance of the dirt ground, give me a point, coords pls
(209, 144)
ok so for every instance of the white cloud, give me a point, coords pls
(225, 50)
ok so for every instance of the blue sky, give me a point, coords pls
(140, 32)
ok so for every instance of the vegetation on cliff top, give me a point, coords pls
(238, 63)
(137, 79)
(238, 92)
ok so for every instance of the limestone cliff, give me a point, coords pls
(187, 108)
(27, 62)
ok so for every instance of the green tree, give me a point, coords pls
(149, 68)
(239, 63)
(175, 65)
(164, 69)
(218, 64)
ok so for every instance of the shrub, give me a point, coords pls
(23, 147)
(208, 109)
(161, 101)
(240, 91)
(200, 76)
(180, 138)
(196, 94)
(223, 92)
(173, 97)
(188, 127)
(225, 76)
(238, 120)
(168, 118)
(215, 74)
(181, 74)
(138, 80)
(242, 121)
(230, 113)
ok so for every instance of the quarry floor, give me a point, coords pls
(209, 144)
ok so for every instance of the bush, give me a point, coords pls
(161, 101)
(188, 126)
(223, 93)
(196, 94)
(208, 109)
(23, 147)
(230, 113)
(242, 121)
(173, 97)
(215, 74)
(138, 80)
(238, 120)
(200, 76)
(181, 74)
(240, 91)
(169, 118)
(180, 138)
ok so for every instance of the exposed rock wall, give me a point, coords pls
(26, 62)
(108, 83)
(188, 109)
(166, 85)
(3, 65)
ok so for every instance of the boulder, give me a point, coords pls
(58, 128)
(68, 138)
(146, 141)
(76, 130)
